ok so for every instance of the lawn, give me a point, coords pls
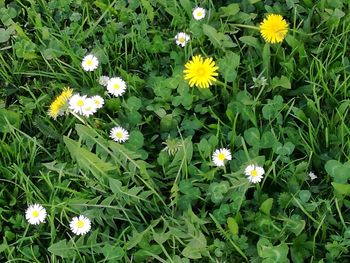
(174, 131)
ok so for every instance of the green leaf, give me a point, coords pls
(251, 41)
(230, 10)
(87, 160)
(272, 253)
(217, 191)
(149, 9)
(267, 140)
(115, 186)
(187, 6)
(25, 49)
(284, 150)
(218, 39)
(332, 166)
(342, 189)
(232, 225)
(294, 224)
(134, 103)
(304, 195)
(266, 206)
(283, 82)
(62, 249)
(189, 194)
(160, 238)
(222, 213)
(135, 140)
(112, 252)
(143, 254)
(6, 16)
(252, 136)
(195, 247)
(204, 147)
(272, 109)
(8, 117)
(135, 240)
(340, 172)
(228, 65)
(4, 35)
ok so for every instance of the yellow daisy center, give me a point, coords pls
(119, 135)
(35, 213)
(182, 39)
(221, 156)
(116, 86)
(80, 224)
(80, 103)
(89, 62)
(199, 14)
(200, 72)
(254, 173)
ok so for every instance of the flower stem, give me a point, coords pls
(218, 82)
(246, 26)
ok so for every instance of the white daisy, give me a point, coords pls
(80, 225)
(103, 80)
(98, 100)
(198, 13)
(89, 107)
(254, 173)
(116, 86)
(35, 214)
(89, 63)
(77, 103)
(220, 155)
(312, 176)
(181, 39)
(119, 134)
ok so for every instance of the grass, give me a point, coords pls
(158, 197)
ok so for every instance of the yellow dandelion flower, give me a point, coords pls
(58, 106)
(200, 72)
(274, 28)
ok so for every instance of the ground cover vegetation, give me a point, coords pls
(174, 131)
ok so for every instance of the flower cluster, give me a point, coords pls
(36, 214)
(82, 104)
(253, 172)
(202, 72)
(199, 71)
(182, 38)
(87, 106)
